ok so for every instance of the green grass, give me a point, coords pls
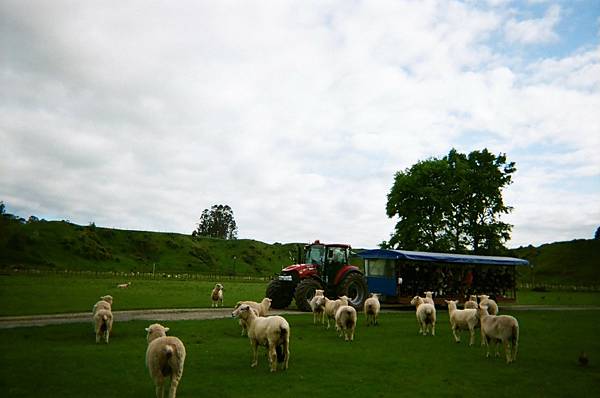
(389, 360)
(33, 295)
(28, 295)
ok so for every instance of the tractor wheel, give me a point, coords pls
(305, 292)
(354, 287)
(280, 293)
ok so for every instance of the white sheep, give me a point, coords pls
(345, 321)
(471, 303)
(103, 322)
(272, 332)
(331, 307)
(217, 295)
(496, 328)
(426, 315)
(488, 302)
(104, 303)
(372, 307)
(261, 309)
(124, 285)
(165, 358)
(428, 298)
(467, 319)
(317, 304)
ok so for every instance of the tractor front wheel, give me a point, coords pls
(355, 288)
(280, 293)
(305, 291)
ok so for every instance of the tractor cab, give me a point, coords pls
(329, 259)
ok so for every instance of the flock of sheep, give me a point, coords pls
(165, 355)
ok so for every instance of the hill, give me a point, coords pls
(572, 262)
(62, 245)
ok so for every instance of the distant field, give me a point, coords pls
(389, 360)
(31, 295)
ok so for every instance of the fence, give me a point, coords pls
(560, 287)
(139, 275)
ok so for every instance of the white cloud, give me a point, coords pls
(534, 31)
(297, 115)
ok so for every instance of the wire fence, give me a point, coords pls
(126, 276)
(543, 287)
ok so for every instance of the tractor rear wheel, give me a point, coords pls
(305, 291)
(355, 288)
(280, 293)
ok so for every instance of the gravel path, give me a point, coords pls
(7, 322)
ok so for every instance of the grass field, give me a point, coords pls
(31, 295)
(388, 360)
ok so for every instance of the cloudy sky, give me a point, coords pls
(139, 115)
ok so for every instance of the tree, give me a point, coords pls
(218, 222)
(452, 204)
(597, 234)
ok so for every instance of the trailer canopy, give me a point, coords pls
(440, 257)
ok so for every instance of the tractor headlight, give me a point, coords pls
(285, 278)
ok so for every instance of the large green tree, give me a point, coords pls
(218, 222)
(452, 204)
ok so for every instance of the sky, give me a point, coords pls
(297, 114)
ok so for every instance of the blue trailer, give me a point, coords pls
(399, 275)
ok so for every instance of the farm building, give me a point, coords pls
(400, 275)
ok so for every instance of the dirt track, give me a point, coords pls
(203, 313)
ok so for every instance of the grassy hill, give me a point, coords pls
(572, 262)
(62, 245)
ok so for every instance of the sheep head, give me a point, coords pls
(155, 331)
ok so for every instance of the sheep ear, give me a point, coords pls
(147, 329)
(167, 329)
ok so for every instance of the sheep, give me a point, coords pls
(372, 307)
(331, 307)
(498, 328)
(428, 298)
(345, 322)
(124, 285)
(426, 315)
(467, 319)
(103, 321)
(317, 304)
(217, 295)
(471, 303)
(104, 303)
(272, 332)
(165, 356)
(491, 304)
(261, 309)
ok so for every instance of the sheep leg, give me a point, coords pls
(497, 345)
(174, 383)
(255, 354)
(433, 328)
(160, 388)
(472, 340)
(456, 337)
(273, 357)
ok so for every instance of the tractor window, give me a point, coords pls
(315, 254)
(337, 255)
(380, 267)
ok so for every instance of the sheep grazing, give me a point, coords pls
(103, 321)
(428, 298)
(498, 328)
(345, 322)
(217, 295)
(272, 332)
(471, 303)
(124, 285)
(467, 319)
(488, 302)
(104, 303)
(426, 315)
(331, 307)
(317, 304)
(165, 358)
(372, 307)
(261, 309)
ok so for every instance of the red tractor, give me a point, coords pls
(325, 267)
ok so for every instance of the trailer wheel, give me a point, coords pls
(355, 288)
